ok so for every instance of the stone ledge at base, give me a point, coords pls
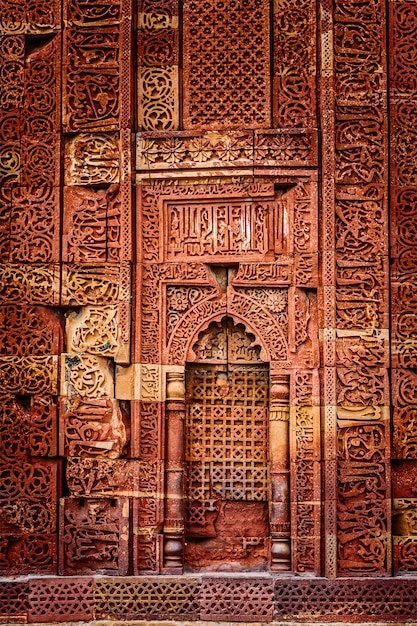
(208, 598)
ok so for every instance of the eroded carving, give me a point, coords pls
(94, 536)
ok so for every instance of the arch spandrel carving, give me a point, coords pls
(243, 309)
(225, 342)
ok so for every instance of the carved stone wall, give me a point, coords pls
(403, 76)
(208, 310)
(355, 290)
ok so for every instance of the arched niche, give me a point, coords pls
(227, 484)
(229, 515)
(227, 340)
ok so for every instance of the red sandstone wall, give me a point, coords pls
(200, 114)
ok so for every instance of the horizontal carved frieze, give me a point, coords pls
(188, 150)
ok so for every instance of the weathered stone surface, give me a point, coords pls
(208, 336)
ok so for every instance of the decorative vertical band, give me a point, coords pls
(158, 77)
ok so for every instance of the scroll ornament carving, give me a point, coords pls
(42, 97)
(29, 330)
(158, 66)
(180, 299)
(356, 347)
(405, 414)
(94, 330)
(29, 161)
(361, 506)
(147, 551)
(158, 86)
(100, 478)
(150, 430)
(265, 324)
(92, 427)
(29, 497)
(28, 554)
(87, 376)
(13, 51)
(36, 17)
(91, 79)
(26, 432)
(405, 554)
(361, 386)
(95, 285)
(102, 13)
(405, 328)
(92, 159)
(29, 374)
(24, 284)
(93, 225)
(360, 161)
(294, 64)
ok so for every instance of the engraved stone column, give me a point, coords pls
(279, 415)
(174, 505)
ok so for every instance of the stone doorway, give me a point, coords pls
(227, 484)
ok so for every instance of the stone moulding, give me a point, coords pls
(211, 598)
(226, 149)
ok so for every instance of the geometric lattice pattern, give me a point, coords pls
(239, 600)
(146, 598)
(14, 600)
(226, 76)
(350, 600)
(226, 442)
(60, 599)
(220, 598)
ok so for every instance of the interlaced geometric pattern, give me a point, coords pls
(227, 64)
(237, 600)
(14, 599)
(147, 598)
(61, 599)
(333, 600)
(226, 443)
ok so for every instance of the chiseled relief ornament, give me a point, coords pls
(403, 291)
(165, 383)
(158, 72)
(94, 330)
(221, 87)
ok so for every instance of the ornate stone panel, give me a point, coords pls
(403, 24)
(206, 255)
(355, 287)
(226, 64)
(158, 70)
(403, 279)
(220, 376)
(294, 59)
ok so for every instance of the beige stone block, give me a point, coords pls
(87, 376)
(128, 382)
(92, 158)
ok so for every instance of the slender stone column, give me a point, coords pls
(279, 415)
(174, 472)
